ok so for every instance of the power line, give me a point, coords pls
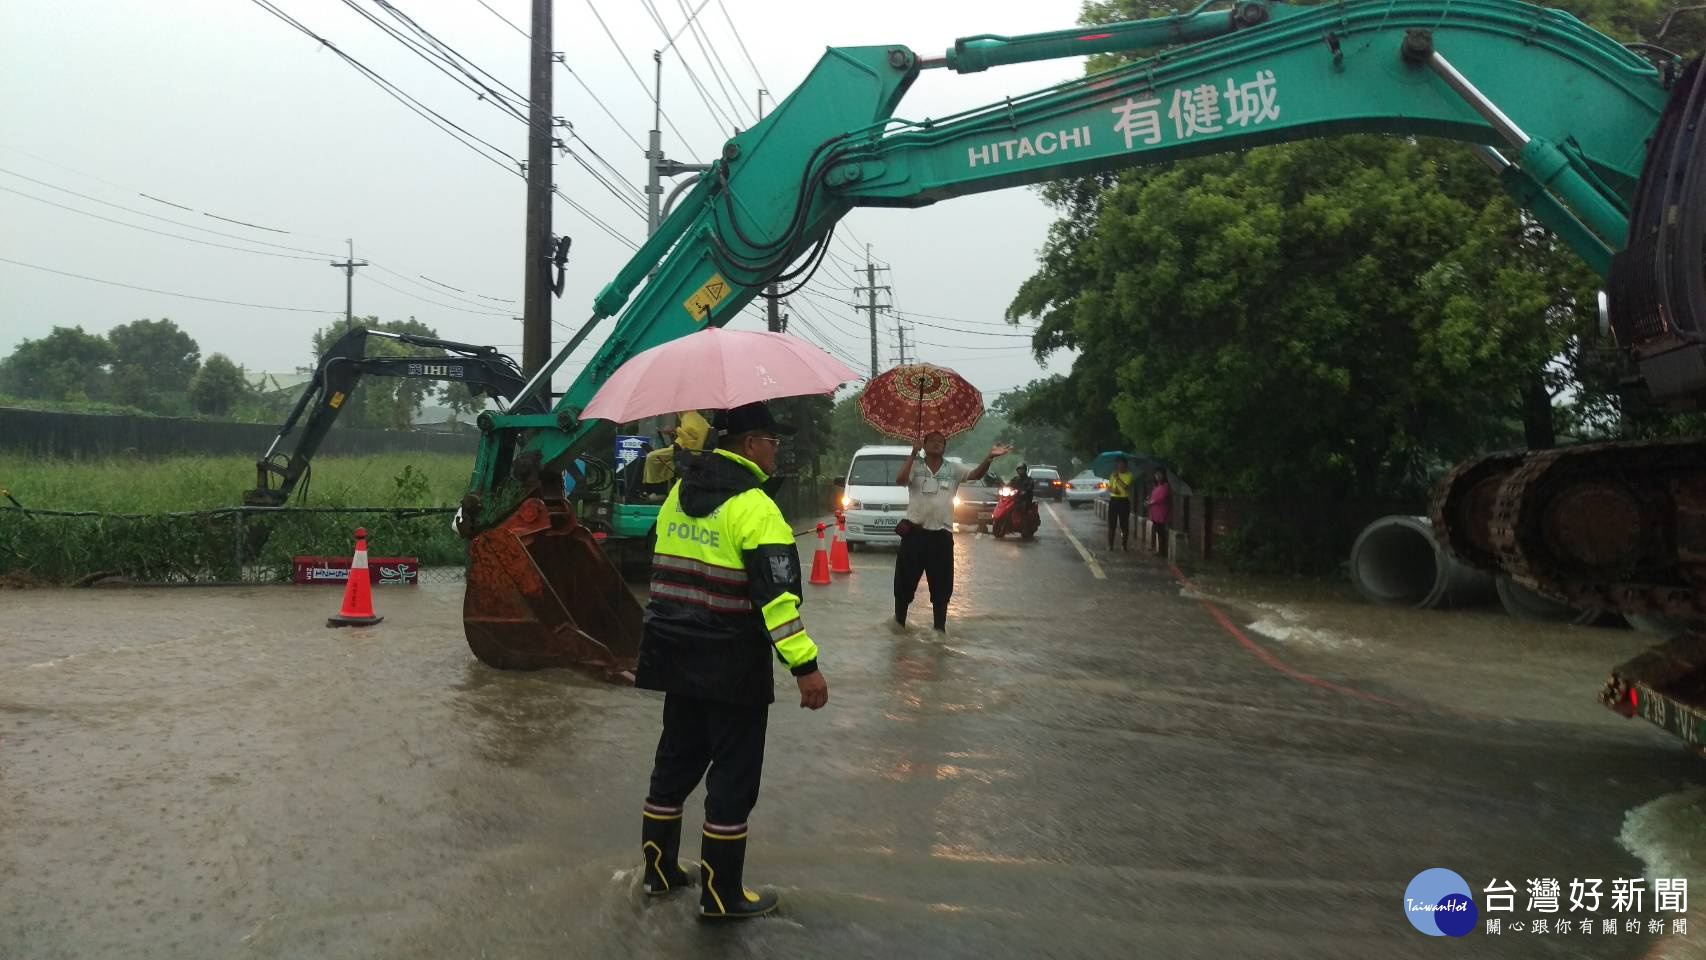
(314, 254)
(152, 216)
(408, 279)
(986, 323)
(704, 97)
(467, 81)
(711, 58)
(637, 79)
(168, 293)
(427, 113)
(447, 126)
(450, 54)
(749, 61)
(162, 233)
(571, 71)
(447, 306)
(607, 228)
(632, 205)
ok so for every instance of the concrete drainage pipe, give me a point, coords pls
(1396, 561)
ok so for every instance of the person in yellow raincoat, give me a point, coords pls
(690, 435)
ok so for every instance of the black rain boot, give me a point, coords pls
(660, 849)
(940, 614)
(722, 858)
(900, 612)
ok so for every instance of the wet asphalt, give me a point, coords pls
(1082, 766)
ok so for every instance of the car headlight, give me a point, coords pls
(848, 503)
(956, 500)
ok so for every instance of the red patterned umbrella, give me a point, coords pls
(917, 398)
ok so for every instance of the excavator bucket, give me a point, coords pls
(541, 593)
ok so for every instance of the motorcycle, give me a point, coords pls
(1012, 516)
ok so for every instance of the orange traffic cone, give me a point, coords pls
(838, 562)
(358, 590)
(820, 562)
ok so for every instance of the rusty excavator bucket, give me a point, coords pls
(541, 593)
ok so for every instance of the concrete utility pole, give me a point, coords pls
(536, 276)
(348, 267)
(900, 329)
(871, 306)
(775, 320)
(657, 166)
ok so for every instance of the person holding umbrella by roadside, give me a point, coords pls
(927, 548)
(1119, 504)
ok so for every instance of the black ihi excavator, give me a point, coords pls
(1595, 139)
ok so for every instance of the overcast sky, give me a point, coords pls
(218, 107)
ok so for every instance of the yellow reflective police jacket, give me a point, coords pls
(725, 588)
(1119, 485)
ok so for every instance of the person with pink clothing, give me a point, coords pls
(1160, 511)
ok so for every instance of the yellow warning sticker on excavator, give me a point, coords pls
(706, 298)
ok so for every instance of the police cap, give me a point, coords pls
(748, 418)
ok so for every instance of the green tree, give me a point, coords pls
(458, 398)
(385, 403)
(217, 387)
(65, 365)
(1319, 321)
(848, 431)
(152, 364)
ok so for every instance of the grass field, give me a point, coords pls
(202, 483)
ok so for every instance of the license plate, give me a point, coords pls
(885, 522)
(986, 515)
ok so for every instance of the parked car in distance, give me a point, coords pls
(1084, 488)
(974, 505)
(1049, 484)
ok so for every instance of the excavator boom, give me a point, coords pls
(1561, 114)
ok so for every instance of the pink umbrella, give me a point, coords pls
(715, 369)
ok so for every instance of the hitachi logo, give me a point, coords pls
(1042, 144)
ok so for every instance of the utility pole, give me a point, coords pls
(348, 267)
(536, 276)
(776, 320)
(657, 166)
(871, 306)
(900, 329)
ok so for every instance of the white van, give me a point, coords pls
(870, 498)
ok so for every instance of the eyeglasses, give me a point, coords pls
(772, 440)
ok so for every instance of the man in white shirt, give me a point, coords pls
(927, 548)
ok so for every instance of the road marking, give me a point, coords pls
(1095, 568)
(1269, 659)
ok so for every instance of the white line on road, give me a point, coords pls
(1095, 568)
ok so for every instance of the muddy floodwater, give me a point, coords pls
(1099, 759)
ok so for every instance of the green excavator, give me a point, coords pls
(1594, 138)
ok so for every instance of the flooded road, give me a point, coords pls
(1083, 767)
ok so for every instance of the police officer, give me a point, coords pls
(725, 599)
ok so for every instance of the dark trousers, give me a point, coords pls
(1119, 514)
(727, 738)
(1160, 538)
(929, 553)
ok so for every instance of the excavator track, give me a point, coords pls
(1462, 510)
(1613, 525)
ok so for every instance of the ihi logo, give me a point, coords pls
(1439, 904)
